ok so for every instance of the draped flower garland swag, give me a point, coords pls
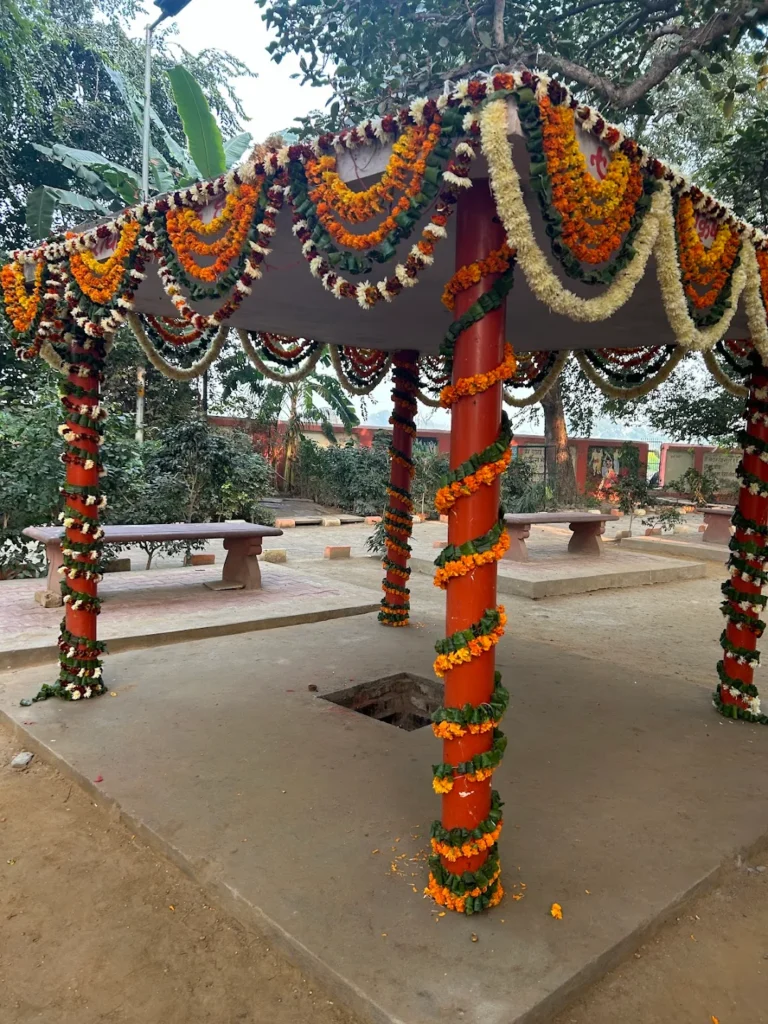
(601, 232)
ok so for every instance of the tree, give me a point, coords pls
(55, 88)
(620, 51)
(316, 397)
(108, 186)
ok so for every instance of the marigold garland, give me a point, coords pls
(462, 647)
(182, 226)
(21, 306)
(471, 274)
(99, 279)
(479, 382)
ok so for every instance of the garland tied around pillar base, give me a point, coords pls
(80, 666)
(472, 891)
(398, 515)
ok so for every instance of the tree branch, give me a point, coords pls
(663, 65)
(498, 23)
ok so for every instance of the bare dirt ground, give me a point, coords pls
(94, 928)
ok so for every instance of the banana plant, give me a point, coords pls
(109, 186)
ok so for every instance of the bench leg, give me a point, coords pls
(586, 539)
(718, 530)
(51, 596)
(241, 564)
(518, 534)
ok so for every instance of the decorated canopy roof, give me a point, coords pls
(347, 241)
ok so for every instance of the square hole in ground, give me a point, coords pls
(403, 700)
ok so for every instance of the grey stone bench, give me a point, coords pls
(242, 542)
(587, 531)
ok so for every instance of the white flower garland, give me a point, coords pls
(711, 363)
(544, 388)
(282, 378)
(176, 372)
(511, 208)
(347, 384)
(627, 394)
(753, 300)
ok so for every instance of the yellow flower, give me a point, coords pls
(556, 911)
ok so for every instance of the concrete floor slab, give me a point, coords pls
(167, 606)
(624, 793)
(551, 573)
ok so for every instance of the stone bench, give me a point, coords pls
(242, 542)
(717, 523)
(587, 531)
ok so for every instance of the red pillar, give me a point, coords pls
(398, 521)
(736, 695)
(80, 665)
(464, 873)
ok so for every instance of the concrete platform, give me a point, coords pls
(624, 794)
(169, 606)
(674, 547)
(550, 572)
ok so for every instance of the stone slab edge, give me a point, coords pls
(48, 654)
(676, 548)
(229, 899)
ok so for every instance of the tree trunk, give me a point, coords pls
(560, 474)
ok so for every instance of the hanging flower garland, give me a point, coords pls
(359, 370)
(706, 273)
(408, 160)
(22, 306)
(101, 279)
(185, 227)
(505, 184)
(730, 362)
(537, 370)
(736, 695)
(181, 373)
(176, 341)
(627, 374)
(398, 515)
(590, 222)
(311, 356)
(432, 379)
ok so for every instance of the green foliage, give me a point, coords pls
(431, 465)
(350, 477)
(667, 517)
(376, 543)
(56, 60)
(377, 54)
(631, 487)
(701, 487)
(218, 472)
(206, 146)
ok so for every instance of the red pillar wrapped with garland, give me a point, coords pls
(465, 872)
(736, 695)
(398, 517)
(80, 667)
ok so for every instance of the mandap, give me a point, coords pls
(393, 246)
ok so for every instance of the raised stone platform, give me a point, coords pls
(169, 606)
(553, 573)
(624, 793)
(673, 547)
